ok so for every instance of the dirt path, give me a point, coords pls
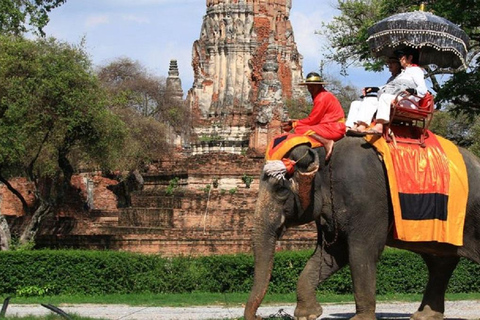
(455, 310)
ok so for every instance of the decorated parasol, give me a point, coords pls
(439, 41)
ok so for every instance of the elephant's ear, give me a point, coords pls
(305, 171)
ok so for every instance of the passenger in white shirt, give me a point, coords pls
(361, 111)
(410, 80)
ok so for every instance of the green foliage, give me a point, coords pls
(131, 86)
(15, 245)
(344, 93)
(35, 291)
(52, 110)
(46, 272)
(17, 15)
(139, 99)
(456, 127)
(172, 185)
(347, 33)
(402, 272)
(460, 89)
(53, 119)
(232, 191)
(247, 180)
(144, 140)
(474, 133)
(207, 189)
(298, 108)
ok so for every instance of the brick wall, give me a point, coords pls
(195, 220)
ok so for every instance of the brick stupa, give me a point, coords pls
(246, 64)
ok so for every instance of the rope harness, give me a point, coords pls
(324, 243)
(334, 215)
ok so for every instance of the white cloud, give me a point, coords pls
(304, 27)
(136, 3)
(135, 18)
(95, 20)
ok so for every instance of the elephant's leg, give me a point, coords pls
(323, 263)
(440, 270)
(363, 266)
(365, 246)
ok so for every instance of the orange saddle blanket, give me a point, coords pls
(280, 145)
(428, 187)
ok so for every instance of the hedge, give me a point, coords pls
(69, 272)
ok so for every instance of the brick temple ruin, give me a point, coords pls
(201, 200)
(246, 64)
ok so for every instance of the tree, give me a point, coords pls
(20, 16)
(134, 87)
(131, 82)
(347, 35)
(344, 93)
(298, 108)
(462, 90)
(53, 119)
(144, 103)
(456, 128)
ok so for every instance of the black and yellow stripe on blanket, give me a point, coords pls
(428, 187)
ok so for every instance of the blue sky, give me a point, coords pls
(156, 31)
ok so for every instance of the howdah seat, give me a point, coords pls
(410, 117)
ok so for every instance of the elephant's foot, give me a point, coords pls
(365, 316)
(311, 312)
(427, 314)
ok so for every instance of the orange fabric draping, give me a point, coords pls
(280, 145)
(428, 187)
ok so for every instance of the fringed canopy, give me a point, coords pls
(439, 41)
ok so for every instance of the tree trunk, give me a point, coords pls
(31, 229)
(16, 193)
(5, 236)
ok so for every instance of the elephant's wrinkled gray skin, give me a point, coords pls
(357, 223)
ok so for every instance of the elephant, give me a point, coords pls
(352, 209)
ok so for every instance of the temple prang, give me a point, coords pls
(174, 83)
(246, 64)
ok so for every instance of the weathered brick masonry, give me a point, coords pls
(210, 211)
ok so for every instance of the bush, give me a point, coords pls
(68, 272)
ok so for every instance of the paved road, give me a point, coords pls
(456, 310)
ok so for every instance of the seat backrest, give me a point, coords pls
(426, 103)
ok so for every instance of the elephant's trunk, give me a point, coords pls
(263, 271)
(266, 228)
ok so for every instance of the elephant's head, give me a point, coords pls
(284, 199)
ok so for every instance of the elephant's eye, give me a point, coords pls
(281, 191)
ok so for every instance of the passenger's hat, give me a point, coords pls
(371, 91)
(405, 52)
(313, 78)
(393, 59)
